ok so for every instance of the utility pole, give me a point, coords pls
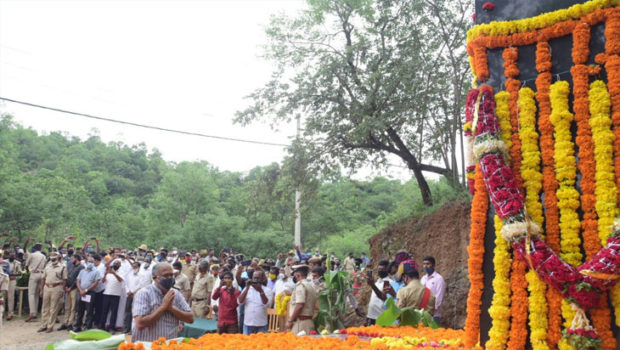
(298, 199)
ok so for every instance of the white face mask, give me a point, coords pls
(176, 272)
(169, 259)
(281, 276)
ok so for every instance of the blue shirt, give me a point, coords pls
(397, 285)
(87, 278)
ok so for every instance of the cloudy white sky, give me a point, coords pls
(183, 65)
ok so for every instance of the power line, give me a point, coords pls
(143, 125)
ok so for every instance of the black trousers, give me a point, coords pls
(99, 318)
(110, 304)
(89, 308)
(128, 314)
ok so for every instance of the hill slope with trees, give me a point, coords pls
(53, 185)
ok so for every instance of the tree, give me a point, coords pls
(370, 77)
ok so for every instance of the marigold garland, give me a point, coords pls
(566, 173)
(587, 166)
(530, 170)
(542, 21)
(502, 110)
(606, 191)
(612, 67)
(480, 206)
(550, 184)
(500, 306)
(518, 307)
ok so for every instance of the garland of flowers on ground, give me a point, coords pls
(566, 174)
(550, 184)
(502, 260)
(530, 170)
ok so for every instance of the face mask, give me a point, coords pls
(294, 279)
(146, 265)
(250, 274)
(272, 276)
(53, 260)
(215, 272)
(115, 267)
(382, 274)
(281, 276)
(70, 252)
(135, 271)
(176, 272)
(429, 271)
(167, 283)
(169, 259)
(188, 260)
(11, 259)
(90, 266)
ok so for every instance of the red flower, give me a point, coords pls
(488, 6)
(473, 17)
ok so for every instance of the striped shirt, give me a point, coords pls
(145, 303)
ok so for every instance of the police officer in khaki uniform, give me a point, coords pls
(190, 269)
(35, 263)
(16, 270)
(53, 284)
(201, 292)
(303, 302)
(4, 287)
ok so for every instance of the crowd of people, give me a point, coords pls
(152, 293)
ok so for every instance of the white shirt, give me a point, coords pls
(437, 285)
(133, 281)
(146, 275)
(112, 285)
(101, 269)
(282, 285)
(376, 306)
(255, 312)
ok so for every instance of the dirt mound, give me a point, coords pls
(444, 234)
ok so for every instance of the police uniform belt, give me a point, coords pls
(303, 318)
(200, 299)
(52, 285)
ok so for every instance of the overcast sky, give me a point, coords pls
(183, 65)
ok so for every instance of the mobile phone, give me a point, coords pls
(246, 263)
(369, 273)
(386, 284)
(93, 238)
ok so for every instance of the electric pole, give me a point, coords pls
(298, 199)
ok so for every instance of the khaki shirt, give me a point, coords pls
(182, 283)
(4, 281)
(54, 274)
(305, 293)
(35, 262)
(190, 270)
(16, 269)
(203, 285)
(349, 264)
(411, 296)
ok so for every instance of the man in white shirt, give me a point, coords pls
(146, 273)
(284, 282)
(435, 282)
(256, 298)
(376, 305)
(133, 285)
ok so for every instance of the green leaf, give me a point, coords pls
(410, 317)
(390, 315)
